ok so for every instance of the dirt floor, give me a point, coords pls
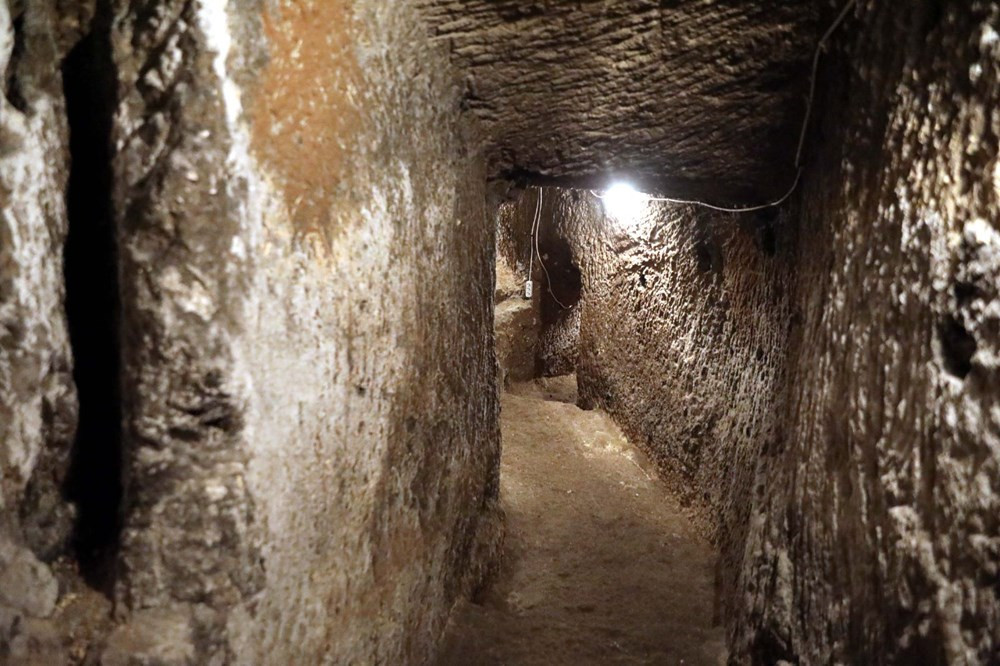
(601, 565)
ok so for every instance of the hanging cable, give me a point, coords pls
(538, 227)
(820, 46)
(531, 236)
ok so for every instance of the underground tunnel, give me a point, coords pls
(499, 332)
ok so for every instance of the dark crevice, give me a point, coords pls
(957, 347)
(966, 292)
(708, 255)
(770, 648)
(563, 278)
(702, 256)
(92, 303)
(761, 227)
(11, 82)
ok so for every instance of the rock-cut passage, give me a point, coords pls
(601, 565)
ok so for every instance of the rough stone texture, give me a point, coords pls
(37, 399)
(514, 227)
(516, 319)
(688, 96)
(190, 534)
(682, 332)
(681, 339)
(156, 636)
(851, 341)
(312, 443)
(48, 616)
(28, 641)
(559, 285)
(516, 330)
(558, 342)
(306, 269)
(876, 526)
(26, 585)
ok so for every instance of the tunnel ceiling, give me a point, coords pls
(689, 97)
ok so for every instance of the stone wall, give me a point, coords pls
(38, 408)
(518, 319)
(312, 433)
(875, 532)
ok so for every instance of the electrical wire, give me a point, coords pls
(820, 46)
(748, 209)
(531, 246)
(812, 79)
(810, 101)
(536, 227)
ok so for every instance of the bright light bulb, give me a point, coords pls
(625, 204)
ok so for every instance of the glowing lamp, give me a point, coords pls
(625, 204)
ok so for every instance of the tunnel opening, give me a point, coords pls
(659, 316)
(93, 483)
(597, 543)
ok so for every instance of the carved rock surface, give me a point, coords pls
(695, 98)
(312, 412)
(307, 273)
(153, 637)
(26, 585)
(37, 400)
(875, 532)
(543, 250)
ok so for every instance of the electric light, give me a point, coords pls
(625, 204)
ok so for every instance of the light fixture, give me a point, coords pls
(625, 204)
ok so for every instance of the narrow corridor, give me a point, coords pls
(278, 281)
(601, 566)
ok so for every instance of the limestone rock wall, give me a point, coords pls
(307, 282)
(559, 283)
(312, 432)
(516, 328)
(37, 399)
(192, 532)
(875, 534)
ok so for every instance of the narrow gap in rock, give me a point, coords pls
(92, 306)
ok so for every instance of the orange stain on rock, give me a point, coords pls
(305, 113)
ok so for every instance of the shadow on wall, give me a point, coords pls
(92, 303)
(560, 287)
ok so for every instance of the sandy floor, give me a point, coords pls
(601, 566)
